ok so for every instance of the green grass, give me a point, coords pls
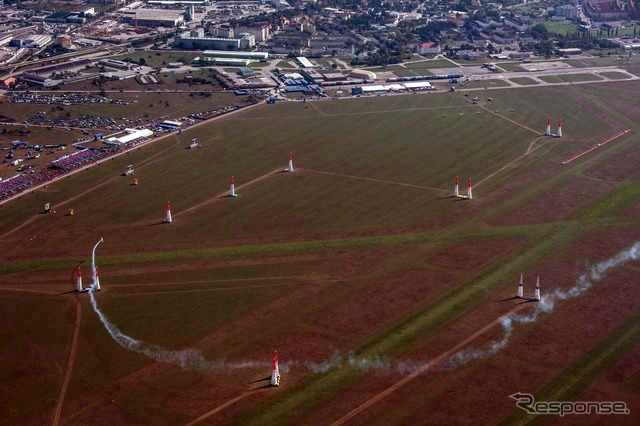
(408, 73)
(430, 64)
(485, 83)
(285, 64)
(512, 67)
(614, 75)
(159, 58)
(573, 78)
(577, 63)
(258, 65)
(524, 81)
(561, 27)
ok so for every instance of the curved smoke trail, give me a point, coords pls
(546, 305)
(194, 360)
(190, 359)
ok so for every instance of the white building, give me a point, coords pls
(37, 41)
(515, 23)
(260, 33)
(567, 11)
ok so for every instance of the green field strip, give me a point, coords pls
(176, 256)
(612, 112)
(553, 181)
(615, 202)
(575, 379)
(321, 387)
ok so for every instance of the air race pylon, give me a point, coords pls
(232, 191)
(521, 287)
(469, 193)
(559, 134)
(455, 188)
(79, 280)
(96, 281)
(537, 294)
(168, 218)
(548, 132)
(275, 374)
(290, 168)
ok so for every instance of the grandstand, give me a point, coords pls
(13, 185)
(71, 160)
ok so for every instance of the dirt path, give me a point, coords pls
(72, 359)
(529, 150)
(219, 408)
(376, 180)
(512, 121)
(417, 373)
(226, 193)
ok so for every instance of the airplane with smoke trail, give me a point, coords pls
(194, 360)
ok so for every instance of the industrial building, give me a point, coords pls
(254, 56)
(114, 63)
(196, 40)
(304, 62)
(38, 80)
(204, 61)
(37, 41)
(153, 17)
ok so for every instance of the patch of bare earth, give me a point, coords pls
(621, 383)
(559, 203)
(622, 166)
(478, 392)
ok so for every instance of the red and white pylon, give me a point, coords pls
(559, 134)
(521, 287)
(537, 294)
(168, 218)
(548, 132)
(275, 374)
(290, 168)
(469, 193)
(232, 190)
(455, 188)
(96, 281)
(79, 280)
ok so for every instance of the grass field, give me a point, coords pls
(524, 81)
(158, 59)
(615, 75)
(569, 78)
(359, 267)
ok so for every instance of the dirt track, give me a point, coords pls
(417, 373)
(72, 359)
(376, 180)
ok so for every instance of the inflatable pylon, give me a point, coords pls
(79, 280)
(275, 373)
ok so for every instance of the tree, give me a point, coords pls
(540, 32)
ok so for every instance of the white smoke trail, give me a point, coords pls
(93, 263)
(189, 359)
(194, 360)
(593, 275)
